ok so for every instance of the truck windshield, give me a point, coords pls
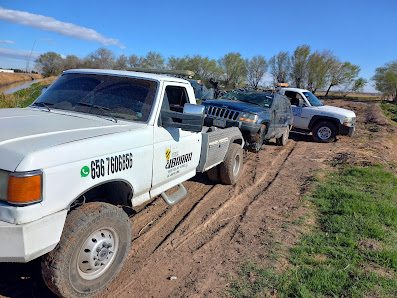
(263, 99)
(314, 101)
(109, 96)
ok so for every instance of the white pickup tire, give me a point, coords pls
(95, 242)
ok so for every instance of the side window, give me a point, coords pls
(177, 97)
(293, 97)
(174, 99)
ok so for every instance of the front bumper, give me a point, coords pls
(346, 130)
(25, 242)
(245, 127)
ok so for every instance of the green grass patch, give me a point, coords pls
(352, 252)
(21, 98)
(390, 110)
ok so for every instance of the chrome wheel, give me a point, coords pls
(97, 253)
(324, 133)
(236, 166)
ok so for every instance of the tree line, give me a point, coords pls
(302, 69)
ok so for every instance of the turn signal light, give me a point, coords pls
(24, 188)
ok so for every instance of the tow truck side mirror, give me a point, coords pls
(192, 118)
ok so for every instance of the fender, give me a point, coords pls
(317, 118)
(125, 182)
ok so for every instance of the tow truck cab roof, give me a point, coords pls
(127, 73)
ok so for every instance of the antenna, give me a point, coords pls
(27, 64)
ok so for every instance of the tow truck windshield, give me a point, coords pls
(110, 96)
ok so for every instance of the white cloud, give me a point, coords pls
(51, 24)
(49, 40)
(17, 54)
(7, 41)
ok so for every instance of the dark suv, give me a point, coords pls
(259, 115)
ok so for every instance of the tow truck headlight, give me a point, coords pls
(248, 117)
(25, 187)
(349, 121)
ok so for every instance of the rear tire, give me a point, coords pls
(324, 132)
(214, 174)
(232, 166)
(283, 140)
(95, 241)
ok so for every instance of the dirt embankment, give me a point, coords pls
(9, 78)
(204, 238)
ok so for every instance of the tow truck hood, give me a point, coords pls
(30, 129)
(335, 112)
(235, 105)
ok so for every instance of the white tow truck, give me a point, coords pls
(94, 141)
(311, 115)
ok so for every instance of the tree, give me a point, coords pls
(342, 73)
(50, 64)
(71, 62)
(175, 63)
(153, 60)
(102, 59)
(385, 79)
(204, 67)
(121, 62)
(256, 69)
(280, 66)
(317, 70)
(233, 68)
(298, 65)
(134, 61)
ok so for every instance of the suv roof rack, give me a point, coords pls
(178, 73)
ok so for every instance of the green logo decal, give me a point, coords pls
(85, 171)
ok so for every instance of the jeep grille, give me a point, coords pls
(222, 113)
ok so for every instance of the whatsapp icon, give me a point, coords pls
(85, 171)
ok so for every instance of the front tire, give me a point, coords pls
(95, 241)
(232, 167)
(324, 132)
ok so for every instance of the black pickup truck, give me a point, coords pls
(259, 115)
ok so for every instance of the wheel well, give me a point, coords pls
(238, 141)
(112, 192)
(334, 122)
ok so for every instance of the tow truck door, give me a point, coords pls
(176, 152)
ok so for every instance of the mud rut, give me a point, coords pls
(208, 234)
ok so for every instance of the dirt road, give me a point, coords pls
(204, 238)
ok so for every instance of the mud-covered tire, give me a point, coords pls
(324, 132)
(283, 140)
(232, 167)
(214, 174)
(258, 139)
(95, 235)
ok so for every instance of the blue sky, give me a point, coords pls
(361, 32)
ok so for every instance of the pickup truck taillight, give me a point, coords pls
(25, 187)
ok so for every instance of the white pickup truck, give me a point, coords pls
(310, 115)
(94, 141)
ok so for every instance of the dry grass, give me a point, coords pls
(24, 97)
(9, 78)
